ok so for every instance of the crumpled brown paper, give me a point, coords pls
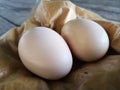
(101, 75)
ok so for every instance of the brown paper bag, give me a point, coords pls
(100, 75)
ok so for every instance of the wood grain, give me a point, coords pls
(14, 12)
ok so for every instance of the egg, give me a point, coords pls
(87, 39)
(45, 53)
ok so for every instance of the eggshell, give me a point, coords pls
(87, 39)
(45, 53)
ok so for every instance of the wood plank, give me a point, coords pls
(15, 11)
(113, 3)
(102, 8)
(105, 8)
(5, 25)
(111, 13)
(17, 3)
(16, 17)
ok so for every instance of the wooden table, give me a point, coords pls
(14, 12)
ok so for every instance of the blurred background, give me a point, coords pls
(14, 12)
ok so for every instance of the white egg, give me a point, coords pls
(45, 53)
(87, 39)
